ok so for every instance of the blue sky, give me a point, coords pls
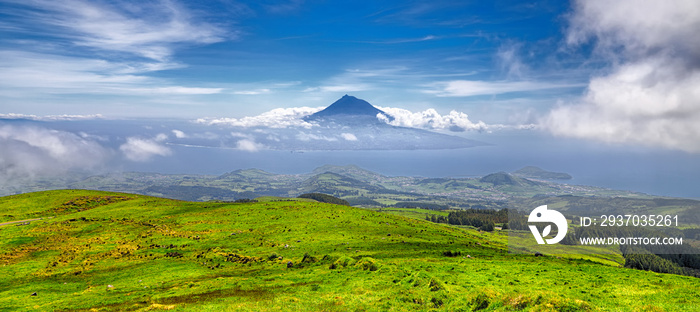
(605, 75)
(235, 59)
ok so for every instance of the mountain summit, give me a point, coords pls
(348, 106)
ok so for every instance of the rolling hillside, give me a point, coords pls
(342, 181)
(99, 251)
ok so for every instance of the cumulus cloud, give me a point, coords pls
(279, 118)
(650, 95)
(276, 118)
(140, 149)
(431, 119)
(29, 151)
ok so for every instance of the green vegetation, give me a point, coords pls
(109, 251)
(641, 259)
(421, 205)
(594, 206)
(358, 186)
(324, 198)
(361, 201)
(502, 178)
(539, 173)
(474, 217)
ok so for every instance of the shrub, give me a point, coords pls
(450, 253)
(488, 226)
(436, 285)
(367, 263)
(308, 259)
(342, 262)
(480, 302)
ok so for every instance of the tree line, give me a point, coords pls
(482, 219)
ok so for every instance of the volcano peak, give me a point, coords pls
(348, 105)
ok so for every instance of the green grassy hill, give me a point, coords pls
(99, 251)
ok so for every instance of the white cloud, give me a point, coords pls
(378, 76)
(354, 80)
(303, 136)
(480, 87)
(89, 136)
(179, 134)
(160, 137)
(431, 119)
(252, 92)
(68, 75)
(343, 87)
(99, 47)
(348, 136)
(240, 135)
(149, 30)
(509, 60)
(650, 95)
(273, 137)
(178, 90)
(140, 149)
(276, 118)
(293, 117)
(29, 151)
(50, 117)
(249, 145)
(637, 29)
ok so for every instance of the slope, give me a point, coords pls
(142, 253)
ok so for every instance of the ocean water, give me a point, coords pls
(643, 169)
(625, 167)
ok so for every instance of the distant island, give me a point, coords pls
(539, 173)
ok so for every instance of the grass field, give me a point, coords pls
(109, 251)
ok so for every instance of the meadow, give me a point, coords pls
(102, 251)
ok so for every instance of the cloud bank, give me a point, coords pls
(141, 149)
(29, 151)
(276, 118)
(279, 118)
(651, 94)
(432, 120)
(249, 145)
